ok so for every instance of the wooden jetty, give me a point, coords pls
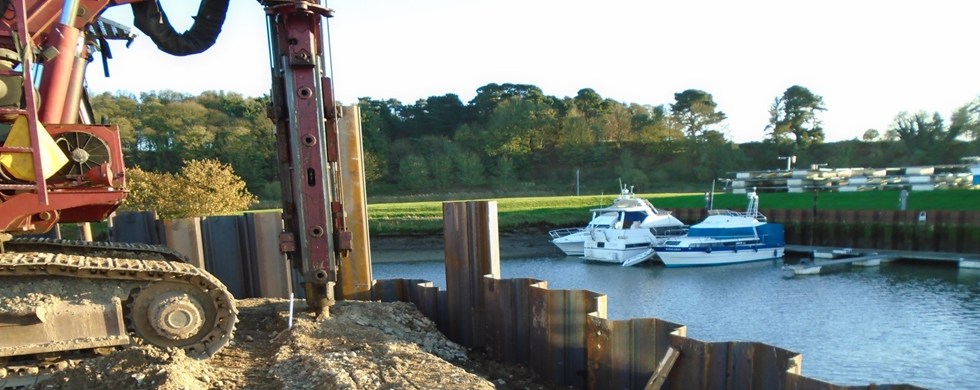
(868, 258)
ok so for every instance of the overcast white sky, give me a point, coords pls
(868, 59)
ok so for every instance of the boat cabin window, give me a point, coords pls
(672, 243)
(633, 216)
(721, 232)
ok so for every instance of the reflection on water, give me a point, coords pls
(898, 323)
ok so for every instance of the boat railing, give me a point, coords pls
(559, 233)
(758, 216)
(733, 237)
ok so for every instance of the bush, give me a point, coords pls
(202, 187)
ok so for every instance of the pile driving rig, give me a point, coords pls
(63, 299)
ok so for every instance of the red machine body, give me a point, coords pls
(91, 184)
(56, 165)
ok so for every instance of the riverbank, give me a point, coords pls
(413, 248)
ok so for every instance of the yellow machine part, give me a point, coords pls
(21, 165)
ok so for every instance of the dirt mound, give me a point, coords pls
(362, 345)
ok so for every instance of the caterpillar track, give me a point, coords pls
(60, 299)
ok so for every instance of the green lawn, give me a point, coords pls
(561, 211)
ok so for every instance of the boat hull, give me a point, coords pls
(617, 256)
(571, 248)
(572, 244)
(617, 245)
(695, 257)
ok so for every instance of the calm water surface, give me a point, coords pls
(899, 323)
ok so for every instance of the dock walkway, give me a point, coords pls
(870, 258)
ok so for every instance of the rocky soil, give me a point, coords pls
(362, 345)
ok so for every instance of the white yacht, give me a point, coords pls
(625, 231)
(572, 240)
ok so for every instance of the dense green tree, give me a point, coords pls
(375, 167)
(413, 173)
(442, 170)
(489, 96)
(630, 173)
(513, 133)
(435, 115)
(119, 110)
(696, 112)
(616, 125)
(243, 137)
(576, 142)
(505, 174)
(589, 103)
(965, 121)
(469, 169)
(926, 137)
(379, 122)
(870, 135)
(518, 129)
(793, 118)
(655, 126)
(716, 157)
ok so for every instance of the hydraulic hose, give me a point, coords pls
(152, 21)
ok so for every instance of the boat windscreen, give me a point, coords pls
(633, 216)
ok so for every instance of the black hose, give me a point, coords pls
(152, 21)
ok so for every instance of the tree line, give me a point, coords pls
(513, 138)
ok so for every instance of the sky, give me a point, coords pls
(868, 59)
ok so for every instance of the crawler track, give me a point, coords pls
(142, 270)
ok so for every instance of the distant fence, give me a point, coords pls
(934, 231)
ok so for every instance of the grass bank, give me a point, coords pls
(561, 211)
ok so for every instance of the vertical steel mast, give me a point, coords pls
(305, 116)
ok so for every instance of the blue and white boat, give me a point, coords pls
(726, 237)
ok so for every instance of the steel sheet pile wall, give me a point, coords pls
(508, 318)
(932, 231)
(430, 301)
(558, 329)
(136, 227)
(240, 250)
(730, 365)
(564, 336)
(623, 354)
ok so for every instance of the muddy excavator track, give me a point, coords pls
(167, 302)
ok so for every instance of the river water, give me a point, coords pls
(902, 322)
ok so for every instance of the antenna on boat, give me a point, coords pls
(753, 209)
